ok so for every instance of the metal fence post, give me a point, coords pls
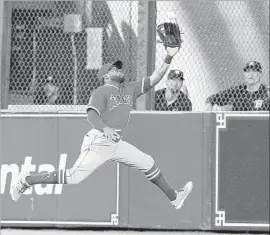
(146, 48)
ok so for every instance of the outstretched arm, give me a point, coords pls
(159, 72)
(147, 83)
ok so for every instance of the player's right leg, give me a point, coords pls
(94, 153)
(133, 157)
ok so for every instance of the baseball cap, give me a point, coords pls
(253, 65)
(107, 67)
(175, 73)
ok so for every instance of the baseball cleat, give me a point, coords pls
(19, 187)
(182, 195)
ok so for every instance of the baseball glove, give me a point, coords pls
(169, 34)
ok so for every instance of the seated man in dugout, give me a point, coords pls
(251, 95)
(175, 96)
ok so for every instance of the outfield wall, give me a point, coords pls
(225, 155)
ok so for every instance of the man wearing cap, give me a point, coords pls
(252, 95)
(108, 112)
(172, 98)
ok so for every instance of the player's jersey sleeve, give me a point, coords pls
(141, 87)
(97, 101)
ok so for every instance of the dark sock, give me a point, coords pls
(55, 177)
(156, 177)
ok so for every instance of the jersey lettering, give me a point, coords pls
(116, 100)
(114, 104)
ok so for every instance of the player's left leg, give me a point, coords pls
(85, 165)
(94, 153)
(133, 157)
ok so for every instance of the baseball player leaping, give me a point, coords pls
(108, 112)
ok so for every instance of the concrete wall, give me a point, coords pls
(198, 147)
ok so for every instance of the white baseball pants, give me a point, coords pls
(96, 150)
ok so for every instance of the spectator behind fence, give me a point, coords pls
(252, 95)
(47, 93)
(172, 98)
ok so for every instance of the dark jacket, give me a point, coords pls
(182, 103)
(241, 99)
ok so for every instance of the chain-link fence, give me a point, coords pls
(219, 38)
(57, 48)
